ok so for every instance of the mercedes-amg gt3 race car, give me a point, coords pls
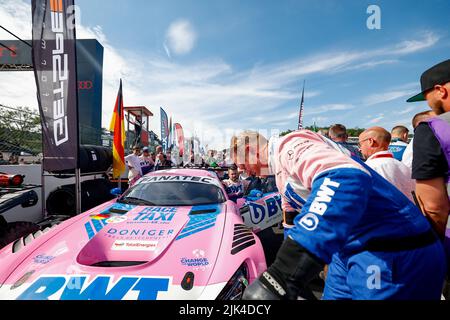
(173, 235)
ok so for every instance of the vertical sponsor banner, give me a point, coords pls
(164, 130)
(180, 137)
(170, 134)
(54, 61)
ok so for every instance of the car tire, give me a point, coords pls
(16, 230)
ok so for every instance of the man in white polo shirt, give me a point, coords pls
(374, 145)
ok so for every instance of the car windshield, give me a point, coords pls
(173, 194)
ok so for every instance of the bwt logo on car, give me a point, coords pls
(60, 73)
(100, 288)
(270, 208)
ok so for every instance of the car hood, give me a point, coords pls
(119, 251)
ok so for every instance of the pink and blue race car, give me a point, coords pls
(173, 235)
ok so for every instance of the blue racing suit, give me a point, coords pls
(376, 241)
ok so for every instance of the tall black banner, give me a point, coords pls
(55, 70)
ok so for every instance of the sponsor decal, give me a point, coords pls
(198, 261)
(134, 245)
(139, 234)
(199, 222)
(156, 215)
(22, 279)
(179, 178)
(291, 154)
(267, 209)
(319, 206)
(116, 219)
(98, 288)
(43, 259)
(60, 76)
(235, 189)
(110, 215)
(85, 85)
(100, 216)
(194, 262)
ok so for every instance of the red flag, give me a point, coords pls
(180, 136)
(118, 127)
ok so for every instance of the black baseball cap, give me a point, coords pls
(439, 74)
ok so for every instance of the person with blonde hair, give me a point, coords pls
(338, 211)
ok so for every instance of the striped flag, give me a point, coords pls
(118, 127)
(180, 137)
(302, 104)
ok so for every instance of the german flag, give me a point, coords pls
(118, 127)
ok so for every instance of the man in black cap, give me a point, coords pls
(431, 150)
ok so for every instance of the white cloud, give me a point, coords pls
(427, 40)
(407, 110)
(386, 97)
(180, 38)
(320, 121)
(403, 91)
(327, 108)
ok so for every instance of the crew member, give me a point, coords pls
(343, 214)
(431, 151)
(399, 141)
(374, 145)
(146, 161)
(134, 166)
(235, 187)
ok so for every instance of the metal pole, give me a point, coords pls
(44, 209)
(78, 190)
(16, 36)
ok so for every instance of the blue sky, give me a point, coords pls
(220, 66)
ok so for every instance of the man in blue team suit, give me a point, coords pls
(340, 212)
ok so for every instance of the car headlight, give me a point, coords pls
(235, 287)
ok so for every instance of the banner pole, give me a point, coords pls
(78, 190)
(44, 209)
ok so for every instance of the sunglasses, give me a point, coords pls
(360, 142)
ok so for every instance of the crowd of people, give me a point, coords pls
(141, 161)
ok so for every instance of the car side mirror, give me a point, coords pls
(116, 192)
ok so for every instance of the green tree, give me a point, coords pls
(21, 126)
(352, 132)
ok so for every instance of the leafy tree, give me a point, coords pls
(21, 119)
(352, 132)
(285, 133)
(21, 127)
